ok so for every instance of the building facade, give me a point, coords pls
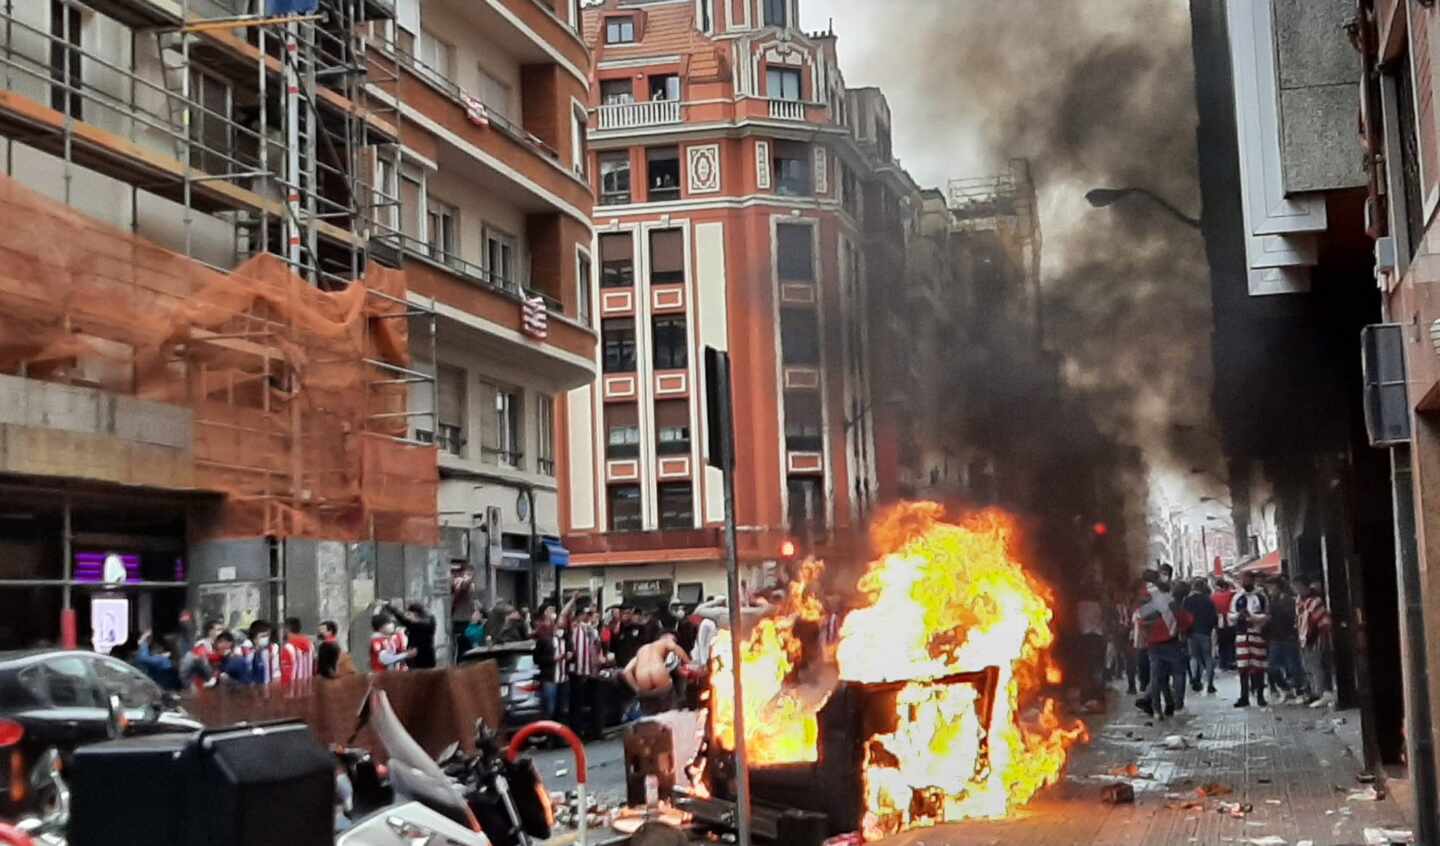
(1293, 208)
(312, 287)
(734, 175)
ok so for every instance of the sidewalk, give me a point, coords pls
(1294, 767)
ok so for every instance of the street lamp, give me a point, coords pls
(1103, 197)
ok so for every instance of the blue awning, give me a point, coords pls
(556, 553)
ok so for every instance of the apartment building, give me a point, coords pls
(493, 208)
(287, 301)
(734, 173)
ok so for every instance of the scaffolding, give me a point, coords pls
(274, 127)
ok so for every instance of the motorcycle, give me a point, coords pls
(488, 798)
(46, 827)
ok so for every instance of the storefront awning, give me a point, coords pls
(1267, 565)
(556, 553)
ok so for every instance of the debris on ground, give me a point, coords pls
(1175, 741)
(1118, 794)
(1214, 789)
(1127, 771)
(1273, 802)
(1270, 840)
(1235, 809)
(1388, 836)
(1365, 778)
(1368, 794)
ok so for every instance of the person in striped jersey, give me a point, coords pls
(262, 654)
(1249, 612)
(297, 655)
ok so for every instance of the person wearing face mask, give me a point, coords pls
(263, 654)
(388, 650)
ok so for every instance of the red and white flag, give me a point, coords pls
(475, 110)
(534, 319)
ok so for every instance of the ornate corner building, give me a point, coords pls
(745, 200)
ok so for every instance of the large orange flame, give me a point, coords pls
(948, 599)
(943, 599)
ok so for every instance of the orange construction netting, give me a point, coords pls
(291, 423)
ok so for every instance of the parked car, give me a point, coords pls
(60, 699)
(519, 679)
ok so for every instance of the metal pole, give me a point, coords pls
(732, 574)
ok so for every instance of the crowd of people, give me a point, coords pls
(596, 667)
(401, 638)
(1169, 636)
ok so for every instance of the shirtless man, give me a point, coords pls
(650, 673)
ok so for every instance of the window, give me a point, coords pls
(583, 273)
(210, 127)
(617, 261)
(620, 30)
(663, 173)
(614, 178)
(435, 56)
(443, 231)
(775, 12)
(667, 257)
(578, 128)
(509, 410)
(665, 87)
(450, 419)
(782, 84)
(617, 92)
(625, 508)
(799, 337)
(802, 421)
(806, 506)
(132, 686)
(545, 434)
(412, 191)
(672, 427)
(500, 259)
(387, 197)
(670, 344)
(1409, 154)
(65, 60)
(795, 247)
(705, 15)
(622, 431)
(677, 506)
(62, 682)
(495, 93)
(619, 343)
(792, 169)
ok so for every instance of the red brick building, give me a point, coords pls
(739, 185)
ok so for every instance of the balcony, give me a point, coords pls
(647, 541)
(636, 115)
(787, 109)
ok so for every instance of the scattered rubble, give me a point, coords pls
(1118, 794)
(1388, 836)
(1214, 789)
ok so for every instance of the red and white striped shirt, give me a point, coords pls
(585, 649)
(297, 659)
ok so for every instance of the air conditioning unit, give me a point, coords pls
(1387, 403)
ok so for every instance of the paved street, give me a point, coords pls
(1295, 768)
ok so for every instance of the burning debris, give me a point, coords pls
(951, 643)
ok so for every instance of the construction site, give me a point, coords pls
(206, 331)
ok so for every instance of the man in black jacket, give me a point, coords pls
(420, 633)
(1202, 629)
